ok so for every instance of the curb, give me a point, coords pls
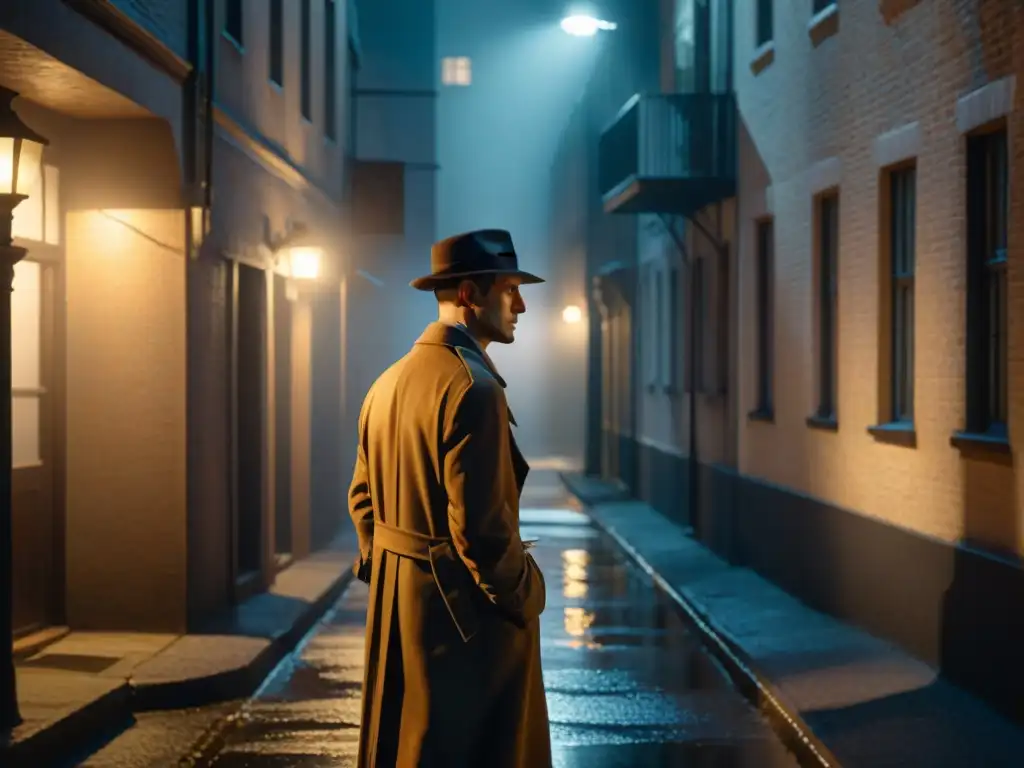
(785, 719)
(239, 682)
(99, 722)
(76, 735)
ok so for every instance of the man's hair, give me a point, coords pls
(443, 290)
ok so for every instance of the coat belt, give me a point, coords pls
(453, 580)
(403, 542)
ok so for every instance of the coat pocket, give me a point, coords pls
(456, 589)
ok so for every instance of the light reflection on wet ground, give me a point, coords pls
(628, 686)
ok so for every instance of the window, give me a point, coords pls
(821, 5)
(233, 20)
(764, 32)
(765, 314)
(26, 357)
(306, 85)
(987, 210)
(330, 70)
(277, 41)
(902, 197)
(378, 197)
(828, 252)
(456, 70)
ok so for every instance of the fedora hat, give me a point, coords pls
(481, 252)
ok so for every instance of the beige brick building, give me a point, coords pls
(834, 112)
(841, 286)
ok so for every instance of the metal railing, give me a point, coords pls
(669, 136)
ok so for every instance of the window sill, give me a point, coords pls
(825, 423)
(762, 413)
(982, 445)
(823, 25)
(892, 9)
(895, 433)
(763, 57)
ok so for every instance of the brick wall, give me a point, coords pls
(811, 119)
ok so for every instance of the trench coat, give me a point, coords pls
(453, 669)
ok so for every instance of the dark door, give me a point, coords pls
(283, 425)
(248, 439)
(34, 515)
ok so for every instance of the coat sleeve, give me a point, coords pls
(479, 483)
(360, 504)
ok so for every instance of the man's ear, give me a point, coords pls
(468, 294)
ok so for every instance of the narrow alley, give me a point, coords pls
(627, 684)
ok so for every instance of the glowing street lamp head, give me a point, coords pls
(572, 314)
(580, 25)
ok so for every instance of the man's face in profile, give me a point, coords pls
(498, 310)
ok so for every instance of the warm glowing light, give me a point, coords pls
(577, 621)
(305, 262)
(581, 25)
(574, 573)
(198, 221)
(572, 314)
(29, 156)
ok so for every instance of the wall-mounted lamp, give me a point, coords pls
(572, 314)
(300, 252)
(21, 157)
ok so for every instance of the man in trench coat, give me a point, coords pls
(453, 670)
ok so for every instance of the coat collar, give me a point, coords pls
(445, 335)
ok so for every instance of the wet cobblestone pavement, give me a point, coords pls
(628, 686)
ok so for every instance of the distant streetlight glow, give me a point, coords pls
(581, 25)
(572, 314)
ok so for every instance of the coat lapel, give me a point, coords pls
(454, 336)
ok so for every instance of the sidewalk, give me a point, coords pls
(837, 695)
(86, 687)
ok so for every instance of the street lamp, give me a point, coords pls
(583, 25)
(572, 314)
(21, 154)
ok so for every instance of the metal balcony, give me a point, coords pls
(669, 153)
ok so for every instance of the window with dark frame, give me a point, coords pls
(987, 213)
(821, 5)
(330, 70)
(765, 22)
(233, 20)
(305, 61)
(276, 53)
(765, 314)
(902, 217)
(828, 253)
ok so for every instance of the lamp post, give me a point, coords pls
(21, 151)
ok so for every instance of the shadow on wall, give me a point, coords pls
(982, 627)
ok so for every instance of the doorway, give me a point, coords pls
(283, 423)
(36, 569)
(250, 305)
